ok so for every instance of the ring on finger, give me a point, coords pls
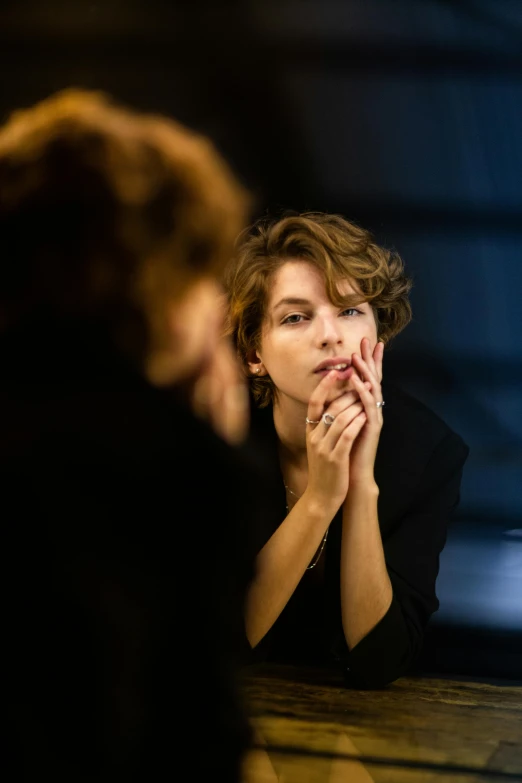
(310, 421)
(328, 419)
(380, 404)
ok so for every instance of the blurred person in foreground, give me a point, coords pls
(346, 568)
(124, 552)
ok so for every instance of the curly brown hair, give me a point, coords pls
(107, 214)
(340, 249)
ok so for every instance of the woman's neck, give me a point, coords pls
(290, 426)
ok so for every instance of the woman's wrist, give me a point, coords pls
(320, 507)
(363, 485)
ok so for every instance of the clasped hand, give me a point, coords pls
(342, 454)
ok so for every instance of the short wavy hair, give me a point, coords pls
(107, 214)
(340, 249)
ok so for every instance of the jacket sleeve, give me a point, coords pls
(411, 550)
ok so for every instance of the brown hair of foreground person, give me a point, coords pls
(109, 216)
(339, 249)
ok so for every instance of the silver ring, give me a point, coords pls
(380, 404)
(309, 421)
(328, 419)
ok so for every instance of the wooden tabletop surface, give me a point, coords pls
(418, 730)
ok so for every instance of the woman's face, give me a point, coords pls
(303, 329)
(194, 329)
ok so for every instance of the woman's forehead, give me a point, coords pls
(297, 278)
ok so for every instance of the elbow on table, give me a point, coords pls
(375, 672)
(366, 681)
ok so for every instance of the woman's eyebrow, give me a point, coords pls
(291, 300)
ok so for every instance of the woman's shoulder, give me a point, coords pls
(415, 422)
(417, 447)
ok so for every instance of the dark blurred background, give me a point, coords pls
(403, 115)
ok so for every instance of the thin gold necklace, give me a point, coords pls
(323, 542)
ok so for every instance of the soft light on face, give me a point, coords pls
(303, 328)
(194, 327)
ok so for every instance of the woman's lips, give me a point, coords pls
(342, 375)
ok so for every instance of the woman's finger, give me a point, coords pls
(341, 421)
(369, 400)
(367, 355)
(378, 353)
(348, 435)
(318, 399)
(365, 372)
(344, 401)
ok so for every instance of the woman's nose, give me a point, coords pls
(330, 332)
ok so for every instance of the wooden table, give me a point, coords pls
(418, 730)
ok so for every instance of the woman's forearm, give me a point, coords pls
(366, 591)
(281, 564)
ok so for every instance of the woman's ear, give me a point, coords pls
(255, 364)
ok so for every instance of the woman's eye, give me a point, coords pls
(351, 311)
(292, 319)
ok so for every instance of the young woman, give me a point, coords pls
(364, 478)
(117, 226)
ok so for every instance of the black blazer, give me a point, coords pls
(418, 470)
(124, 567)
